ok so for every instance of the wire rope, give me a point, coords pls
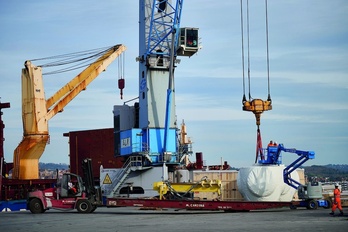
(72, 61)
(267, 45)
(242, 32)
(248, 35)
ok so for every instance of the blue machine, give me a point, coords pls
(149, 128)
(146, 132)
(310, 194)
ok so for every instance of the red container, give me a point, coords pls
(95, 144)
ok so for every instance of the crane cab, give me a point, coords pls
(188, 41)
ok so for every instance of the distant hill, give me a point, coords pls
(340, 167)
(330, 172)
(53, 166)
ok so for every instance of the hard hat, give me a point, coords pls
(336, 185)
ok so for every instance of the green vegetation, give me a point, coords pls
(53, 166)
(327, 173)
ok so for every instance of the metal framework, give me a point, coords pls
(162, 25)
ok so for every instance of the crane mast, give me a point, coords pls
(157, 49)
(149, 127)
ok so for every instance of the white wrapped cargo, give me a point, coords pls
(265, 183)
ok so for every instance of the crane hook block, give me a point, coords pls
(121, 84)
(257, 106)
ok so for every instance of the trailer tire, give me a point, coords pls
(35, 206)
(329, 203)
(84, 206)
(312, 204)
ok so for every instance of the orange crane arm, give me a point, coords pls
(37, 111)
(63, 96)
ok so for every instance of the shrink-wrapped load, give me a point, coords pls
(265, 183)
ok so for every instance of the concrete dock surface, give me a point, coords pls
(132, 219)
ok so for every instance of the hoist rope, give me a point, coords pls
(242, 32)
(121, 66)
(268, 82)
(248, 48)
(75, 60)
(248, 34)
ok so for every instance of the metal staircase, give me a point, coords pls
(132, 163)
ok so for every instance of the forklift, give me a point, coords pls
(71, 192)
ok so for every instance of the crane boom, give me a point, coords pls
(37, 111)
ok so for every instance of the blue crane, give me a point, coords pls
(149, 127)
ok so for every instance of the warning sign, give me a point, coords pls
(107, 179)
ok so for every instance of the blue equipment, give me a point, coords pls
(310, 194)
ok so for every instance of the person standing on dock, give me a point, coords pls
(337, 201)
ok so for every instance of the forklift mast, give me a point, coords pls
(88, 177)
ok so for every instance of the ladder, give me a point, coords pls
(132, 163)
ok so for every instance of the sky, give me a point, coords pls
(308, 57)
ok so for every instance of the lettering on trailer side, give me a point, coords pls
(195, 205)
(224, 207)
(138, 205)
(112, 203)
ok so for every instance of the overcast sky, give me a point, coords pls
(308, 47)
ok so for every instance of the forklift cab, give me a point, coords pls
(77, 182)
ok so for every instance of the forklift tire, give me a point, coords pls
(84, 206)
(35, 206)
(312, 204)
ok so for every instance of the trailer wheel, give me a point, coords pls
(84, 206)
(35, 206)
(312, 204)
(329, 203)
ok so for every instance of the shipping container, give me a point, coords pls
(95, 144)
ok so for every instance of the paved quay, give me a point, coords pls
(132, 220)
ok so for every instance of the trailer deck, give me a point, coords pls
(237, 206)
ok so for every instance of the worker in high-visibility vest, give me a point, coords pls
(72, 187)
(337, 201)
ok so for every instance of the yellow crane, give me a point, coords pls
(37, 111)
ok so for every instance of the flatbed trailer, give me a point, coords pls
(228, 206)
(13, 194)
